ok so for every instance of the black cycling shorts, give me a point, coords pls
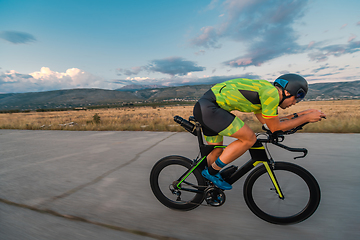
(216, 122)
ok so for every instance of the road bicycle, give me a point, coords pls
(277, 192)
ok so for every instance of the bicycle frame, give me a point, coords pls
(257, 153)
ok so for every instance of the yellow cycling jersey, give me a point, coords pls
(248, 95)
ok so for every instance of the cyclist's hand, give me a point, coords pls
(315, 116)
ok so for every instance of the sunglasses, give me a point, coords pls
(300, 95)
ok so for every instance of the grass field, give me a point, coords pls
(342, 117)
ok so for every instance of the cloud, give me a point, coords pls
(335, 50)
(208, 38)
(200, 52)
(17, 37)
(284, 72)
(13, 77)
(264, 27)
(323, 67)
(311, 44)
(328, 74)
(343, 26)
(273, 46)
(172, 66)
(358, 23)
(212, 5)
(46, 80)
(129, 72)
(352, 37)
(318, 57)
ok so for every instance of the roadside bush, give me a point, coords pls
(96, 118)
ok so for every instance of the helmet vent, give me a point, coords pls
(282, 82)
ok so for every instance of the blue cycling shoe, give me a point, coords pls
(216, 179)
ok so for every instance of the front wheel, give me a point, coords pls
(165, 177)
(300, 189)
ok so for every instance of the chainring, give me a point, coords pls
(215, 196)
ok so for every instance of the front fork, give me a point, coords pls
(272, 176)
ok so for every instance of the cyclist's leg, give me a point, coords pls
(245, 140)
(215, 154)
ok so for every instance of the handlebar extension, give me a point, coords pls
(303, 150)
(278, 136)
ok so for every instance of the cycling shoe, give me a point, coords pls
(216, 179)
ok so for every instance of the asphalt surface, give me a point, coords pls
(95, 185)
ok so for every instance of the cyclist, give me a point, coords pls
(213, 111)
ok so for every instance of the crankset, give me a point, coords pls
(215, 196)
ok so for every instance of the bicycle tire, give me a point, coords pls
(161, 183)
(292, 179)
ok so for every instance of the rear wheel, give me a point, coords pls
(300, 189)
(165, 177)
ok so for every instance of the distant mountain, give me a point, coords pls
(64, 99)
(134, 87)
(174, 93)
(336, 90)
(100, 97)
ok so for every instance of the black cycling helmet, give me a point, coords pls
(296, 85)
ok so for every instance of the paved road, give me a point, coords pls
(95, 185)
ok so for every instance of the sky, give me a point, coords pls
(61, 44)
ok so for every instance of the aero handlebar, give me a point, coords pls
(278, 136)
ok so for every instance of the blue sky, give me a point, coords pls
(50, 45)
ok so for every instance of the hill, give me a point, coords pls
(64, 99)
(336, 90)
(100, 97)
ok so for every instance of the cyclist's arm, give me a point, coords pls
(274, 123)
(295, 115)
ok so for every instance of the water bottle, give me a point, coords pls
(185, 124)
